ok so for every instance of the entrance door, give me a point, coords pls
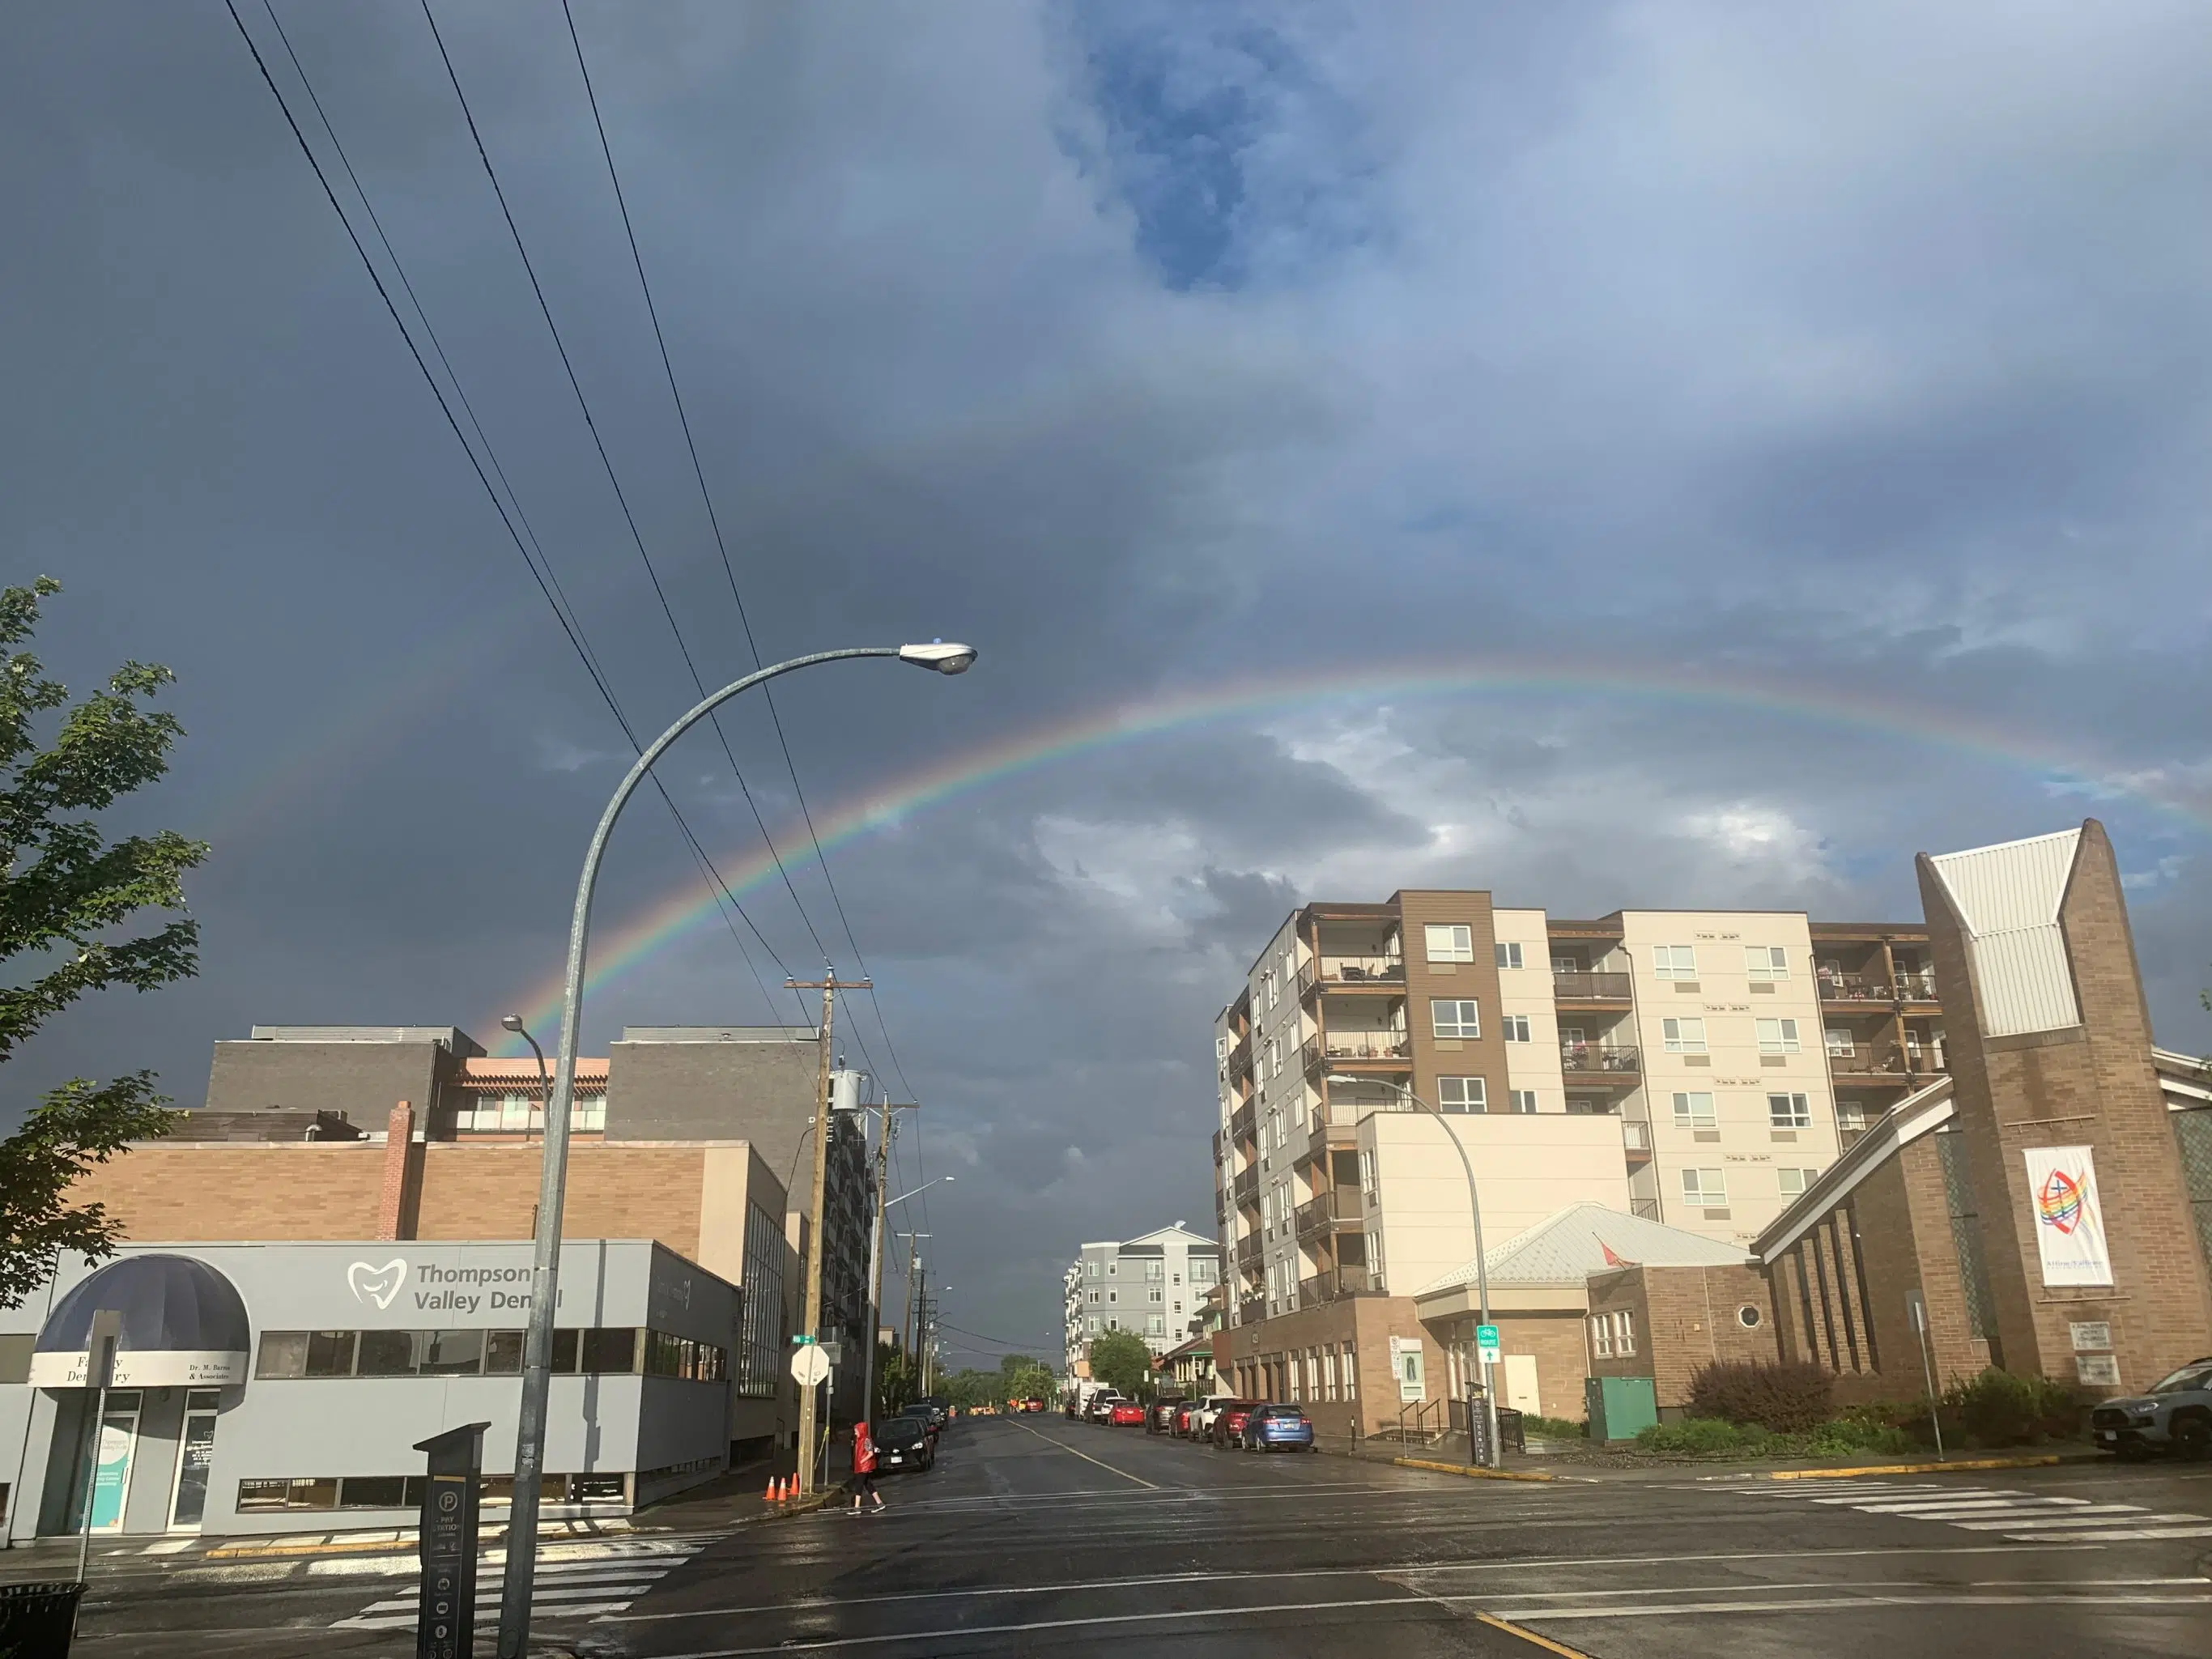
(195, 1451)
(1520, 1388)
(110, 1480)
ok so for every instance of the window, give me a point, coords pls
(1693, 1111)
(1093, 1323)
(1624, 1335)
(1155, 1324)
(1113, 1296)
(1778, 1036)
(1789, 1111)
(1849, 1115)
(1271, 1062)
(452, 1354)
(1273, 986)
(1517, 1028)
(1705, 1188)
(1524, 1101)
(1793, 1182)
(1329, 1373)
(1461, 1094)
(1675, 961)
(1092, 1298)
(1367, 1173)
(1602, 1335)
(1093, 1267)
(1684, 1037)
(1841, 1042)
(389, 1353)
(1156, 1295)
(1454, 1019)
(1509, 956)
(1155, 1270)
(1350, 1371)
(1766, 962)
(1565, 965)
(1448, 942)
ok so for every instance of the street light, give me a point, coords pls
(537, 1344)
(1481, 1261)
(513, 1023)
(876, 1286)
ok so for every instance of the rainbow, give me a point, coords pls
(639, 939)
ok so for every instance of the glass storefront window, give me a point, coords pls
(454, 1354)
(390, 1353)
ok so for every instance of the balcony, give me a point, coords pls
(1646, 1207)
(1356, 1048)
(1330, 1286)
(1244, 1122)
(1240, 1058)
(1378, 973)
(1620, 1064)
(1247, 1185)
(1248, 1251)
(1321, 1212)
(1888, 1065)
(1251, 1310)
(1636, 1137)
(1582, 988)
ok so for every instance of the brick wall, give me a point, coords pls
(2090, 1086)
(615, 1191)
(1368, 1322)
(1685, 1318)
(271, 1190)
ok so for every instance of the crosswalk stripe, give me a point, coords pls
(562, 1589)
(2026, 1517)
(2120, 1532)
(2114, 1514)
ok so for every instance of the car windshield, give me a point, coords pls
(899, 1432)
(2197, 1374)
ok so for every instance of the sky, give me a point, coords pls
(1662, 455)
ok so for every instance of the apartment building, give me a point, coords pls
(1155, 1286)
(1697, 1068)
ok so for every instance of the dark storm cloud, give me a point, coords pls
(1859, 354)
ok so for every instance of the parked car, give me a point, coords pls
(1101, 1404)
(919, 1412)
(1126, 1414)
(2175, 1415)
(905, 1443)
(1202, 1415)
(1277, 1428)
(1159, 1416)
(1179, 1419)
(1228, 1422)
(1033, 1404)
(939, 1409)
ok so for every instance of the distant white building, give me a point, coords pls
(1154, 1286)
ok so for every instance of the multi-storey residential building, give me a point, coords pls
(1684, 1065)
(1154, 1286)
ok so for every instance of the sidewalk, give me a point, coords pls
(1580, 1462)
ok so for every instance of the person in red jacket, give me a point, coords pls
(864, 1467)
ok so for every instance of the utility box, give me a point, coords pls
(1618, 1406)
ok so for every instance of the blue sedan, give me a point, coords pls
(1278, 1428)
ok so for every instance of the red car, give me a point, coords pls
(1228, 1422)
(1127, 1414)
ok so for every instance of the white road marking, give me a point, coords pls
(2017, 1514)
(605, 1581)
(1088, 1458)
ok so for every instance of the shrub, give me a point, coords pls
(2000, 1409)
(1787, 1399)
(1553, 1428)
(1703, 1436)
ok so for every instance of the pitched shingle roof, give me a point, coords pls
(1570, 1246)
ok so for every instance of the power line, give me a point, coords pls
(548, 585)
(606, 462)
(729, 570)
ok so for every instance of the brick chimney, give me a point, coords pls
(395, 1212)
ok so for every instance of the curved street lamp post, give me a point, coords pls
(1481, 1261)
(537, 1344)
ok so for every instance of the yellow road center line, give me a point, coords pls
(1543, 1642)
(1147, 1485)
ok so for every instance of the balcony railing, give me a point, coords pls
(1329, 1286)
(1251, 1310)
(1888, 1062)
(1320, 1212)
(1331, 973)
(1918, 986)
(1590, 987)
(1248, 1251)
(1872, 987)
(1330, 1046)
(1240, 1059)
(1246, 1187)
(1243, 1123)
(1646, 1207)
(1636, 1135)
(1599, 1057)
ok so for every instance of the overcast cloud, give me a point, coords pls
(1858, 352)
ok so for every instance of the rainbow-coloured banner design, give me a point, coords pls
(2070, 1223)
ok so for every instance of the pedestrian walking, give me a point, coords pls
(864, 1468)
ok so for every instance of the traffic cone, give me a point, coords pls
(771, 1494)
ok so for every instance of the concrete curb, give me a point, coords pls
(2045, 1461)
(1470, 1471)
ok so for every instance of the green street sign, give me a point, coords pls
(1486, 1336)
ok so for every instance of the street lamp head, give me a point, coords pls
(510, 1022)
(944, 657)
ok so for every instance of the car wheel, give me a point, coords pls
(2192, 1438)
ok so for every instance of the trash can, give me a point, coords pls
(36, 1620)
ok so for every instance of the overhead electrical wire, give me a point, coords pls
(713, 520)
(606, 462)
(548, 584)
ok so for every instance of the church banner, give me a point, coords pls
(2069, 1216)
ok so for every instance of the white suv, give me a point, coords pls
(1202, 1415)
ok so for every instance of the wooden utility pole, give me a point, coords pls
(828, 985)
(876, 1253)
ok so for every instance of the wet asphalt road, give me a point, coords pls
(1037, 1535)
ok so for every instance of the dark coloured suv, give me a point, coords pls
(1160, 1415)
(2175, 1415)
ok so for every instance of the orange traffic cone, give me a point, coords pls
(769, 1496)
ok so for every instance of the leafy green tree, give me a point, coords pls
(1121, 1359)
(67, 896)
(1035, 1380)
(898, 1381)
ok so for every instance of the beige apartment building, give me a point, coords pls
(1697, 1068)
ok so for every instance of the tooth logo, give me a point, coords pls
(377, 1285)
